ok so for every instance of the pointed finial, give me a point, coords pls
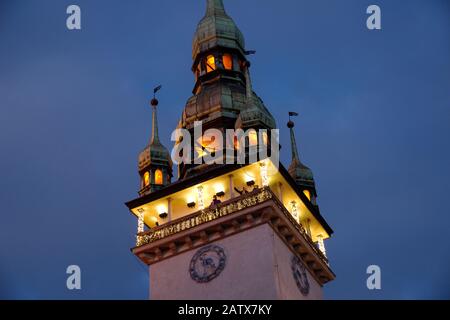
(291, 125)
(214, 8)
(154, 103)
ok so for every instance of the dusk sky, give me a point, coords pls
(374, 127)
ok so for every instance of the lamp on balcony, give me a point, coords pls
(191, 204)
(163, 215)
(251, 183)
(220, 194)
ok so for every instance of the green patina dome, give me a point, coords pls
(300, 172)
(217, 29)
(255, 115)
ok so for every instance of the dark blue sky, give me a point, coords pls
(374, 127)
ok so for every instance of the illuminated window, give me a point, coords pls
(210, 63)
(265, 137)
(227, 61)
(253, 138)
(307, 194)
(236, 143)
(146, 179)
(207, 144)
(158, 177)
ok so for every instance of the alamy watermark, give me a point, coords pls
(374, 280)
(73, 281)
(374, 20)
(73, 21)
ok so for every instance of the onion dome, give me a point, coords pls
(217, 29)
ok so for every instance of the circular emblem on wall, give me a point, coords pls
(299, 272)
(207, 263)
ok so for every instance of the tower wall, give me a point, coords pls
(258, 266)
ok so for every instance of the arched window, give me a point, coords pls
(265, 137)
(158, 177)
(210, 63)
(146, 179)
(253, 138)
(227, 61)
(236, 143)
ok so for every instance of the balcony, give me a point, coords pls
(257, 207)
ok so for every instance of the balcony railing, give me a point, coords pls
(244, 201)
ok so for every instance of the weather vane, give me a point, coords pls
(290, 124)
(154, 101)
(292, 114)
(155, 90)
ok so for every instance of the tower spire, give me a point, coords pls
(294, 149)
(214, 8)
(154, 104)
(155, 135)
(302, 175)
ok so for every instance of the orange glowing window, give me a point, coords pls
(236, 143)
(227, 61)
(206, 144)
(146, 179)
(253, 138)
(210, 63)
(307, 194)
(265, 137)
(158, 177)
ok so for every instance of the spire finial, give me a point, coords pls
(154, 103)
(291, 125)
(214, 7)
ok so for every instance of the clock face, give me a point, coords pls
(207, 263)
(299, 273)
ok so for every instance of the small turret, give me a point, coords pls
(302, 175)
(155, 163)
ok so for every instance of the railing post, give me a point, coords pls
(231, 186)
(169, 209)
(280, 191)
(200, 199)
(321, 245)
(263, 174)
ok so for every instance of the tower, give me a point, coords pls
(229, 231)
(222, 93)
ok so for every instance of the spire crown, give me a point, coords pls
(214, 8)
(216, 29)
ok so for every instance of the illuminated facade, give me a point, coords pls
(231, 231)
